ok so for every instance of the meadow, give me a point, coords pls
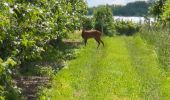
(125, 68)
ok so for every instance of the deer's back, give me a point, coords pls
(91, 34)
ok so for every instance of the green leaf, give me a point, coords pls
(11, 62)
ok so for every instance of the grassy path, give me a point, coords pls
(124, 69)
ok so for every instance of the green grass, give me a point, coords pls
(160, 39)
(126, 68)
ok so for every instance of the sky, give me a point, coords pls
(92, 3)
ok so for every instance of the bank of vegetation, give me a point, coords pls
(27, 30)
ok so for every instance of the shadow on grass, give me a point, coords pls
(53, 59)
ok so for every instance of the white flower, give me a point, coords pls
(6, 4)
(28, 10)
(11, 10)
(15, 6)
(41, 11)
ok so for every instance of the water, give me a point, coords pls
(133, 19)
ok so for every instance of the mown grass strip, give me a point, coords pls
(124, 69)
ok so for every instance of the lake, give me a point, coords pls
(130, 18)
(133, 19)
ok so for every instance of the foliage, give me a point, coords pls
(7, 91)
(159, 35)
(156, 8)
(88, 23)
(52, 61)
(26, 26)
(31, 24)
(138, 8)
(166, 11)
(126, 28)
(103, 20)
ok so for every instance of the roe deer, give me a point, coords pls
(92, 34)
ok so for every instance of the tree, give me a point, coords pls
(157, 8)
(103, 20)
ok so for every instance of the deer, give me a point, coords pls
(92, 34)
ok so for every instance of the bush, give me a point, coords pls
(126, 28)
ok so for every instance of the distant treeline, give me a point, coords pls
(138, 8)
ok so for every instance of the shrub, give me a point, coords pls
(126, 28)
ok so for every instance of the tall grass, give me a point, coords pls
(160, 39)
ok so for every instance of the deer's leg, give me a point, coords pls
(85, 41)
(102, 42)
(98, 44)
(98, 41)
